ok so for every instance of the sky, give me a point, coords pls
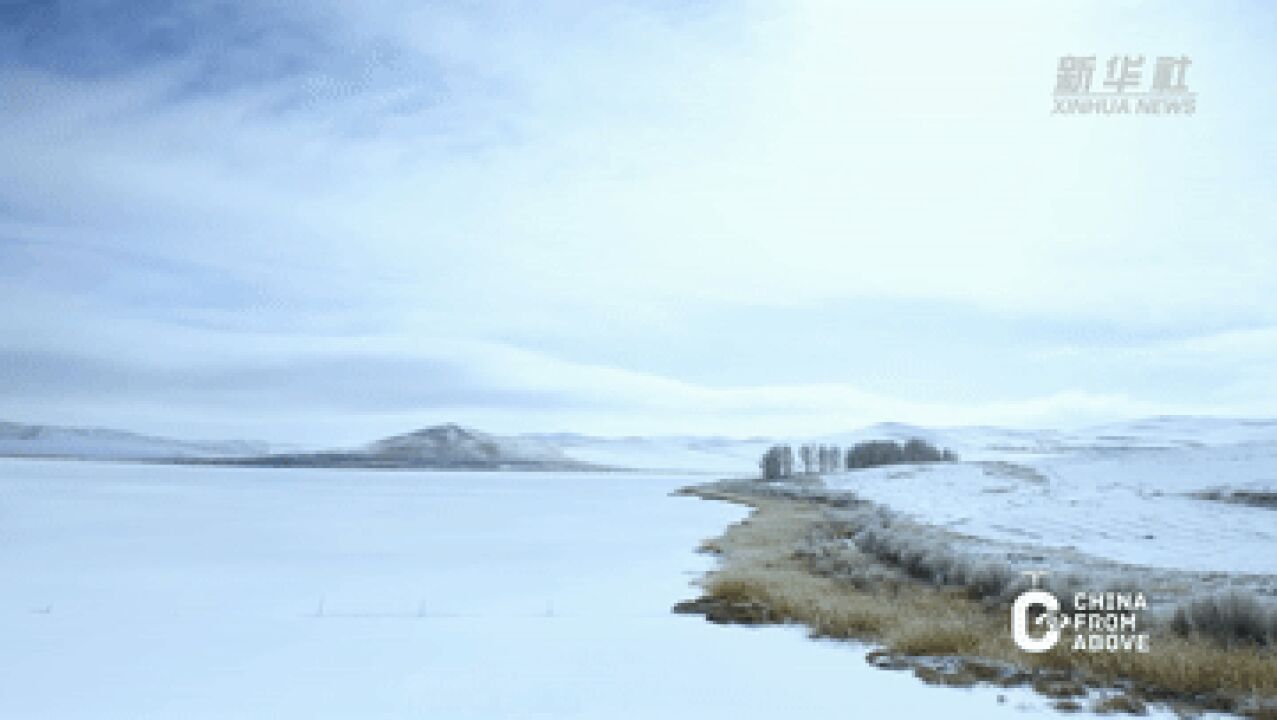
(323, 222)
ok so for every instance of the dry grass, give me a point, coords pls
(782, 557)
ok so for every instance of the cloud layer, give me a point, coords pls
(304, 220)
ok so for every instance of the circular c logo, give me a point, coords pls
(1020, 621)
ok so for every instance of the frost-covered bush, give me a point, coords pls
(1231, 617)
(925, 557)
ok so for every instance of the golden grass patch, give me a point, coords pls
(765, 561)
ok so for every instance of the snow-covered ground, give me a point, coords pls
(703, 454)
(1132, 503)
(143, 591)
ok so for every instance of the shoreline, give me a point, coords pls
(791, 561)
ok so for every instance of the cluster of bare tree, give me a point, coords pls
(778, 461)
(886, 452)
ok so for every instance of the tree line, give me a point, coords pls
(778, 461)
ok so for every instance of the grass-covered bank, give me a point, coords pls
(790, 561)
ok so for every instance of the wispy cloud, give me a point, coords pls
(742, 214)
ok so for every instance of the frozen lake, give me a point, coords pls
(144, 591)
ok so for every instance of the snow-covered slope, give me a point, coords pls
(987, 442)
(19, 440)
(1136, 493)
(1177, 431)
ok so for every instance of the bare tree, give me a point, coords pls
(777, 462)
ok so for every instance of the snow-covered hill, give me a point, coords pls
(452, 444)
(1171, 492)
(447, 446)
(20, 440)
(988, 442)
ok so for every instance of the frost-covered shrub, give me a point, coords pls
(926, 557)
(1231, 617)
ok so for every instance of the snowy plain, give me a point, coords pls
(148, 591)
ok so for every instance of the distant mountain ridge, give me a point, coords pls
(447, 446)
(23, 440)
(452, 446)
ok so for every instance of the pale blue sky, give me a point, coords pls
(325, 221)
